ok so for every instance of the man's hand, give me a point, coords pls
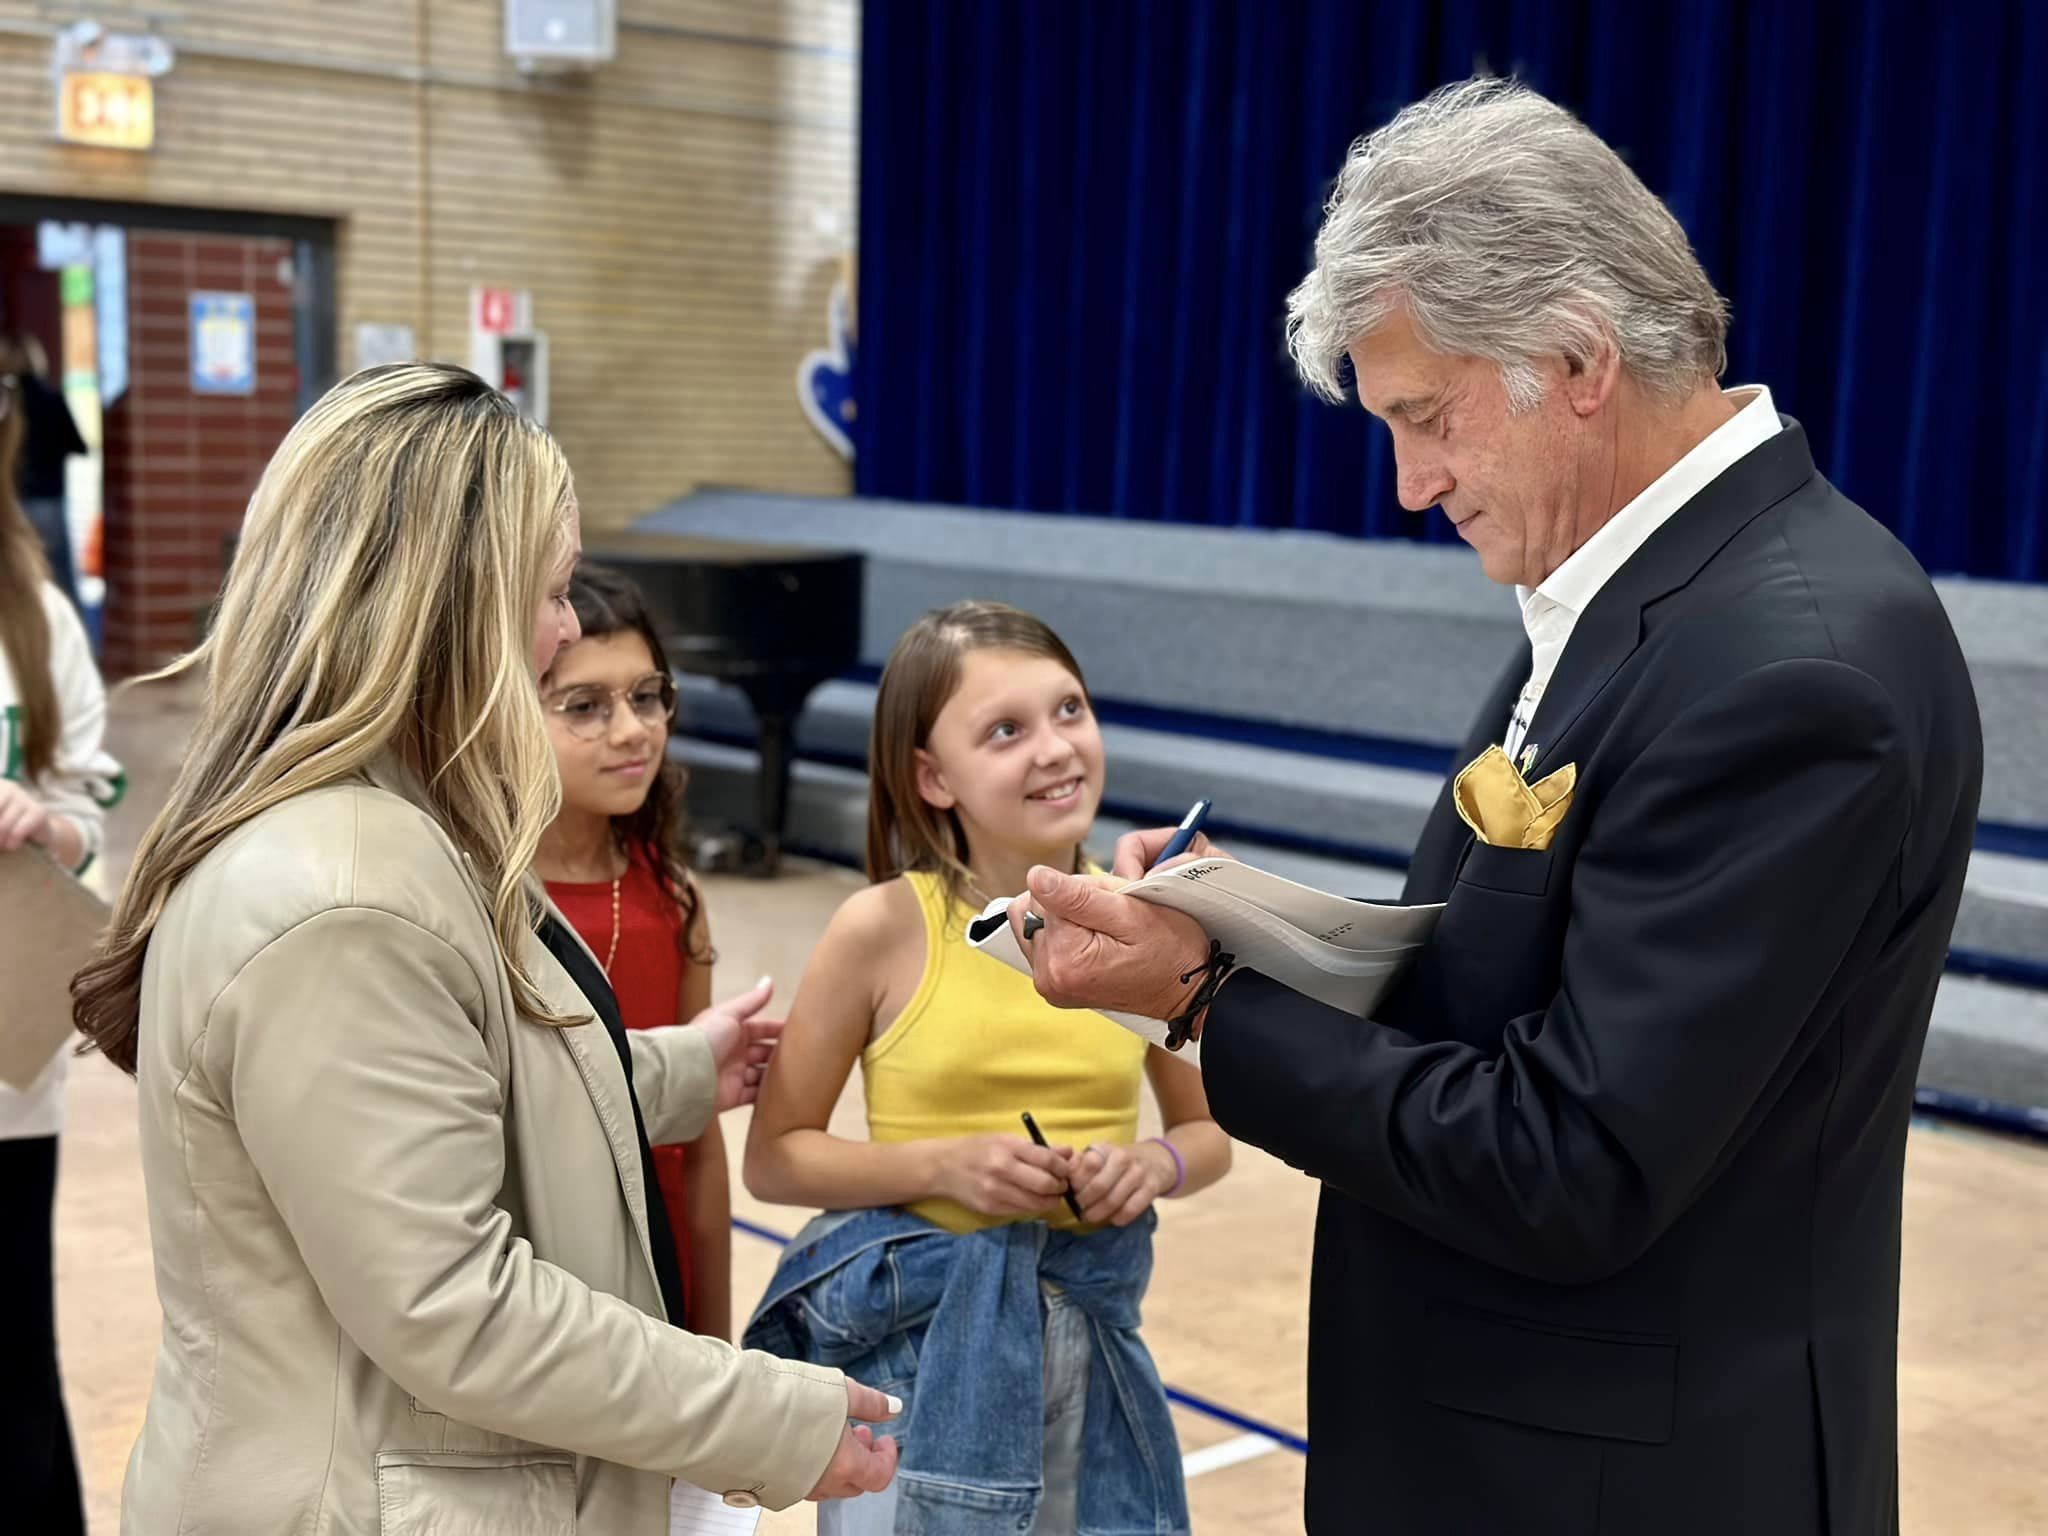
(741, 1043)
(1136, 852)
(1100, 949)
(862, 1464)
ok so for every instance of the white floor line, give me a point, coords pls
(1227, 1453)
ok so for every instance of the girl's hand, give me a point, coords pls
(1136, 852)
(1003, 1175)
(1117, 1184)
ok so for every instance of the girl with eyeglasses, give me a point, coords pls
(613, 863)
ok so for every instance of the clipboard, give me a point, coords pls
(49, 923)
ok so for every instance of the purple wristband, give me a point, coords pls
(1180, 1169)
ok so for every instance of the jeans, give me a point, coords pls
(1066, 1411)
(1031, 1403)
(38, 1469)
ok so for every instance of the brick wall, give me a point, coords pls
(678, 214)
(29, 295)
(180, 465)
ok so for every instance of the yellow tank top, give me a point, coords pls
(976, 1046)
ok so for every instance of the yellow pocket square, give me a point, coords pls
(1505, 809)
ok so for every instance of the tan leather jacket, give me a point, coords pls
(400, 1232)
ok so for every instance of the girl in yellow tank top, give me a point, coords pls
(974, 1042)
(985, 759)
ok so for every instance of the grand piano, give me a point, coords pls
(773, 620)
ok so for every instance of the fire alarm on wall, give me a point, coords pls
(554, 35)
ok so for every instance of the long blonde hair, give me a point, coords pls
(380, 607)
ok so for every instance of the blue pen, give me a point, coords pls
(1190, 824)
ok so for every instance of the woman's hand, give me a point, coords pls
(1117, 1184)
(862, 1464)
(1002, 1175)
(23, 818)
(741, 1043)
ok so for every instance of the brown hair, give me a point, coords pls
(24, 624)
(380, 608)
(905, 831)
(608, 603)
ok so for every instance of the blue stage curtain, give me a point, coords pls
(1078, 223)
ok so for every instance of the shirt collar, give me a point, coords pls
(1574, 585)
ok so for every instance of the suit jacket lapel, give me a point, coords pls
(1434, 863)
(598, 1065)
(599, 1069)
(1610, 629)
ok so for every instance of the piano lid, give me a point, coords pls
(629, 548)
(739, 610)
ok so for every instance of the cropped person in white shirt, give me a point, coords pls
(55, 784)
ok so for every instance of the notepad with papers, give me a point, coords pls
(1336, 949)
(48, 926)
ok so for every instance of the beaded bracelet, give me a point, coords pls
(1180, 1169)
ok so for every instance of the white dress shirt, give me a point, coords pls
(1550, 611)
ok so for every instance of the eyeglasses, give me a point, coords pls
(587, 711)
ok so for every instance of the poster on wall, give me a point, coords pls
(110, 307)
(223, 344)
(91, 369)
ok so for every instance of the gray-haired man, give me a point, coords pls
(1610, 1227)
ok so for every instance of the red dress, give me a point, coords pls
(647, 979)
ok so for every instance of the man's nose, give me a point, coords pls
(1420, 483)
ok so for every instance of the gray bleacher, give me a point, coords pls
(1276, 637)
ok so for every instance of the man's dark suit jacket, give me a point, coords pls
(1609, 1236)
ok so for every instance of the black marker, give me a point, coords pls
(1066, 1194)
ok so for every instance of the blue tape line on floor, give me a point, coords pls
(766, 1236)
(1238, 1420)
(1187, 1400)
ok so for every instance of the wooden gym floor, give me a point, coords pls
(1225, 1318)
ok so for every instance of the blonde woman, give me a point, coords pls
(397, 1180)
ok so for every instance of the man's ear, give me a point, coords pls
(1590, 382)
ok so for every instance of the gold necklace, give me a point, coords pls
(612, 950)
(612, 953)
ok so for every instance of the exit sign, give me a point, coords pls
(109, 111)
